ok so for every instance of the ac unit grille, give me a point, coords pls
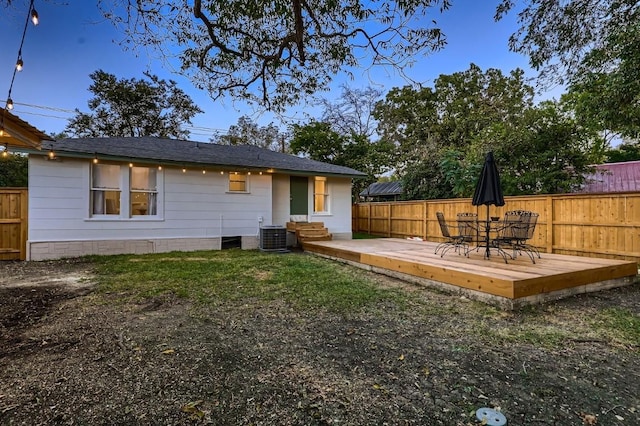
(273, 238)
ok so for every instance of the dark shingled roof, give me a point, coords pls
(382, 188)
(178, 152)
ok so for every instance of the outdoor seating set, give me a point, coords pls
(509, 236)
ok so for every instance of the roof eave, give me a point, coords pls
(187, 164)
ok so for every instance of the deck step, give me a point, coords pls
(309, 231)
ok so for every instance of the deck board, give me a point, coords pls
(516, 280)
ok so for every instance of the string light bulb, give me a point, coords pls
(52, 155)
(34, 16)
(19, 64)
(9, 103)
(159, 167)
(5, 153)
(204, 172)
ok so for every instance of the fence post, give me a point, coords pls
(549, 224)
(389, 220)
(369, 220)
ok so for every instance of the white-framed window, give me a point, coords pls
(238, 182)
(105, 189)
(320, 195)
(143, 192)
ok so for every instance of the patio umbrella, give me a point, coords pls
(488, 190)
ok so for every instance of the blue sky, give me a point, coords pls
(73, 40)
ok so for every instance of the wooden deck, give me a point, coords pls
(517, 283)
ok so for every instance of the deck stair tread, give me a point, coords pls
(309, 231)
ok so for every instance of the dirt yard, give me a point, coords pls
(69, 355)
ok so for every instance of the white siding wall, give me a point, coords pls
(338, 219)
(191, 205)
(281, 200)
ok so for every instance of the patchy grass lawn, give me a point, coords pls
(246, 337)
(214, 278)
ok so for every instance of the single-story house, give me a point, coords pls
(382, 191)
(146, 195)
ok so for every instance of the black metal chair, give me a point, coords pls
(529, 220)
(518, 227)
(452, 241)
(468, 227)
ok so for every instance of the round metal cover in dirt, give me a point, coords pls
(491, 417)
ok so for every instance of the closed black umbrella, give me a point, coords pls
(488, 190)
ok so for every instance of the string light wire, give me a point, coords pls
(19, 63)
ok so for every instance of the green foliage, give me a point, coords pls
(624, 152)
(593, 46)
(559, 35)
(460, 172)
(317, 141)
(248, 132)
(425, 180)
(443, 133)
(14, 170)
(275, 53)
(606, 88)
(546, 152)
(134, 108)
(217, 277)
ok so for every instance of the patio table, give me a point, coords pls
(484, 231)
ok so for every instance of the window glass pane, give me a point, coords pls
(237, 182)
(143, 203)
(143, 191)
(143, 178)
(105, 202)
(320, 194)
(106, 176)
(319, 203)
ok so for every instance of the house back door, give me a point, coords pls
(299, 198)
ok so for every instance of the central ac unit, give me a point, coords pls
(273, 238)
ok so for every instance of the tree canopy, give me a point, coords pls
(14, 171)
(134, 108)
(558, 36)
(443, 133)
(273, 52)
(248, 132)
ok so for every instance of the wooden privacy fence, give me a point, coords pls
(595, 225)
(13, 223)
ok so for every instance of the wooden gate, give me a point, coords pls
(13, 223)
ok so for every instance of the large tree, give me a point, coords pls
(248, 132)
(544, 151)
(445, 131)
(134, 108)
(424, 123)
(352, 111)
(558, 36)
(275, 52)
